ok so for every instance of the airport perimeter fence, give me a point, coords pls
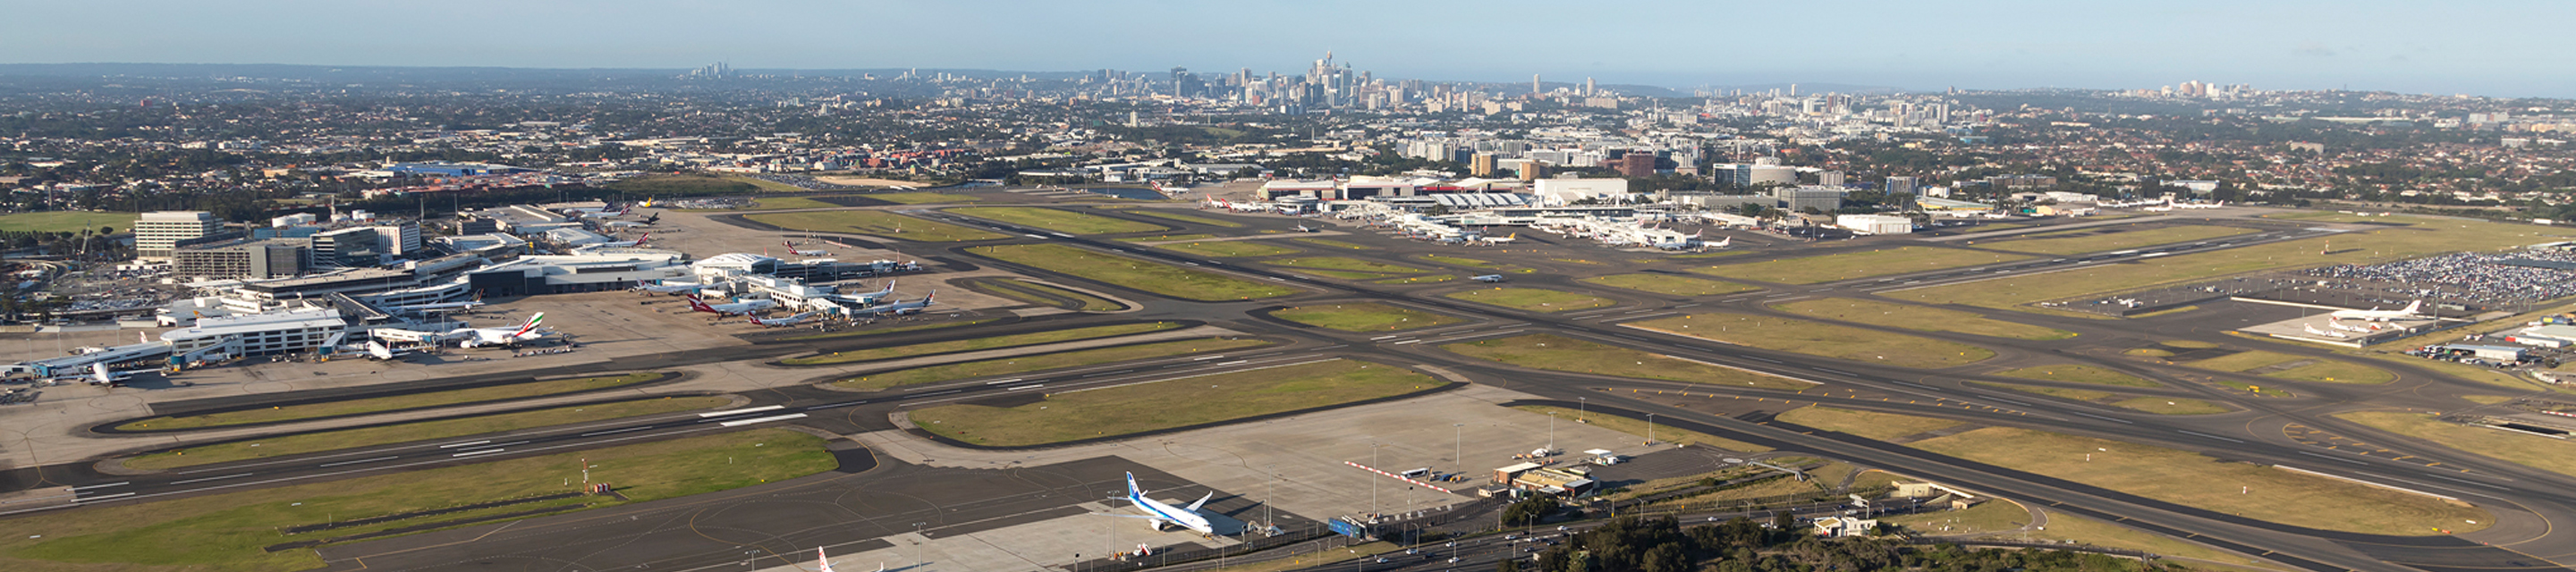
(2042, 544)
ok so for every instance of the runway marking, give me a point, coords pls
(210, 479)
(2332, 458)
(468, 443)
(1240, 361)
(1404, 342)
(2469, 482)
(838, 405)
(359, 461)
(93, 499)
(1205, 358)
(1011, 380)
(742, 411)
(1831, 370)
(2209, 436)
(1031, 386)
(2120, 421)
(1385, 337)
(614, 431)
(1108, 373)
(482, 452)
(115, 484)
(762, 420)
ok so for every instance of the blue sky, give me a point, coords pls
(2500, 48)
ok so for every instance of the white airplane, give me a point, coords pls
(639, 241)
(381, 352)
(1301, 227)
(667, 287)
(898, 308)
(2340, 326)
(2313, 331)
(782, 322)
(501, 337)
(99, 374)
(791, 249)
(872, 297)
(1683, 243)
(1487, 278)
(442, 306)
(1185, 517)
(2378, 315)
(733, 309)
(1499, 240)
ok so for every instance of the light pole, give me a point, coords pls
(1585, 408)
(1458, 447)
(1373, 464)
(1551, 431)
(1650, 429)
(917, 542)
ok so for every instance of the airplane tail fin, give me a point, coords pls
(531, 325)
(2412, 307)
(100, 369)
(639, 241)
(1133, 493)
(822, 560)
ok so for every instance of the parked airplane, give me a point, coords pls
(897, 308)
(2378, 315)
(667, 287)
(381, 352)
(1301, 227)
(502, 337)
(2313, 331)
(1682, 243)
(99, 374)
(648, 203)
(872, 297)
(782, 322)
(2340, 326)
(791, 249)
(639, 241)
(438, 307)
(1160, 514)
(1487, 278)
(1499, 239)
(733, 309)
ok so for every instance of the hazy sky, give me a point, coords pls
(2499, 47)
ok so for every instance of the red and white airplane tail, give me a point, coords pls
(697, 304)
(530, 326)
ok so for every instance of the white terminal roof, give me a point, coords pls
(298, 318)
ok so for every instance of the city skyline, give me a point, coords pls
(1985, 44)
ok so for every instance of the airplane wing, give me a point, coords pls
(1194, 507)
(1126, 515)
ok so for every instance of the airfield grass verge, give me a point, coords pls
(1559, 353)
(1343, 263)
(2488, 399)
(1668, 284)
(2078, 374)
(2241, 361)
(409, 432)
(2062, 392)
(2324, 370)
(1058, 360)
(1048, 295)
(2068, 527)
(1914, 317)
(1331, 243)
(1192, 219)
(2348, 248)
(1430, 279)
(1166, 237)
(2172, 406)
(1058, 220)
(1364, 317)
(1467, 262)
(1820, 339)
(1994, 515)
(1154, 277)
(685, 185)
(1850, 265)
(2196, 480)
(1228, 248)
(1638, 428)
(872, 223)
(785, 203)
(892, 330)
(226, 532)
(1144, 407)
(1531, 299)
(66, 221)
(923, 198)
(2553, 455)
(1871, 424)
(2097, 240)
(995, 342)
(388, 403)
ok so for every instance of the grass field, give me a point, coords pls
(1192, 219)
(1076, 358)
(392, 403)
(1850, 265)
(1155, 277)
(896, 329)
(1332, 243)
(2063, 526)
(1364, 317)
(1014, 340)
(1432, 279)
(1668, 284)
(2078, 374)
(1638, 428)
(2348, 248)
(784, 203)
(1058, 220)
(1048, 295)
(1559, 353)
(1532, 299)
(1994, 227)
(2095, 240)
(225, 532)
(2553, 455)
(1467, 262)
(2488, 399)
(1820, 339)
(1127, 409)
(2323, 216)
(1343, 274)
(66, 221)
(923, 198)
(873, 223)
(409, 432)
(1344, 263)
(1228, 248)
(1166, 237)
(1994, 515)
(1871, 424)
(2324, 370)
(2172, 406)
(1914, 317)
(2199, 481)
(2068, 393)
